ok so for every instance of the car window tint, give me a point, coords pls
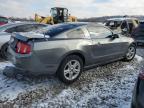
(78, 33)
(25, 28)
(11, 30)
(99, 32)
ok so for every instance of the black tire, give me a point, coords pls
(126, 58)
(60, 72)
(132, 106)
(3, 51)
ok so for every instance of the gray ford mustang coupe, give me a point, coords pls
(66, 49)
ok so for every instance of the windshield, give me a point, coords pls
(54, 12)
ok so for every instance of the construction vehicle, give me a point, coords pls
(58, 15)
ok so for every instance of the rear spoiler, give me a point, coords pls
(19, 37)
(26, 38)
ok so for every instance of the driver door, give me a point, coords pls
(104, 48)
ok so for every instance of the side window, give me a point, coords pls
(78, 33)
(25, 28)
(11, 30)
(99, 32)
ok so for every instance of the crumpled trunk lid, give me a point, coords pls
(27, 36)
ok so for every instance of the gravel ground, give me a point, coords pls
(108, 86)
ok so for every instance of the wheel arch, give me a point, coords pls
(77, 52)
(134, 43)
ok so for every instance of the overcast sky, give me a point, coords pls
(79, 8)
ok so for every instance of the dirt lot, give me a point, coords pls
(108, 86)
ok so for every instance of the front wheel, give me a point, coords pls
(130, 53)
(70, 69)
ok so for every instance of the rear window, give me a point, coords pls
(57, 29)
(4, 20)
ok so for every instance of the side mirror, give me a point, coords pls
(113, 36)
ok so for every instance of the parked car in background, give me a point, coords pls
(138, 94)
(138, 34)
(7, 29)
(67, 49)
(4, 20)
(122, 25)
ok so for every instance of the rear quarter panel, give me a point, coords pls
(54, 51)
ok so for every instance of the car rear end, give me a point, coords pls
(138, 94)
(23, 54)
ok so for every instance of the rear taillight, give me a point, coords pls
(141, 76)
(23, 48)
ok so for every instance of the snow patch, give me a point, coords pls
(4, 64)
(139, 58)
(127, 67)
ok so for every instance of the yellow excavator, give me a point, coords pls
(58, 15)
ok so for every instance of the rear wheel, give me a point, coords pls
(4, 51)
(130, 53)
(70, 69)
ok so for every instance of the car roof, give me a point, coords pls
(121, 19)
(63, 27)
(67, 25)
(72, 25)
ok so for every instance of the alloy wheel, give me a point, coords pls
(72, 69)
(131, 53)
